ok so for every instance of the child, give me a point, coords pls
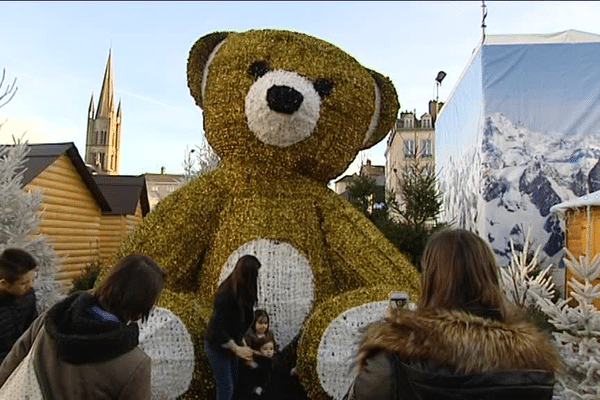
(259, 329)
(258, 379)
(17, 298)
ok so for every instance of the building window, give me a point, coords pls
(426, 123)
(409, 148)
(408, 122)
(426, 148)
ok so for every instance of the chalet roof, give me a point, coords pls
(591, 199)
(123, 193)
(40, 157)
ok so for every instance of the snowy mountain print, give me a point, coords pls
(527, 172)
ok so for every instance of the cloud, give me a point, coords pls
(151, 100)
(38, 130)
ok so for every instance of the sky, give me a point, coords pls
(57, 51)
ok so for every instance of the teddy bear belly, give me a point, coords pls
(286, 288)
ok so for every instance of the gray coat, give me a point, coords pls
(81, 358)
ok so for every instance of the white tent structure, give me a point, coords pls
(519, 134)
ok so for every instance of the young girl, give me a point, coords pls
(259, 329)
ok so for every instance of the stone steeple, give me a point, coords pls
(103, 141)
(105, 104)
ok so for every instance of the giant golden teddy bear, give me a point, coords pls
(286, 112)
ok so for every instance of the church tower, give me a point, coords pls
(103, 141)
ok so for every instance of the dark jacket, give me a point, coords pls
(83, 358)
(445, 354)
(16, 314)
(257, 376)
(230, 319)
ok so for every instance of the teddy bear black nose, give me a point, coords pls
(284, 99)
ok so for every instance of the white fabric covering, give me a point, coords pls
(166, 340)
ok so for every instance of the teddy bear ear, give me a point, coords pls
(386, 110)
(199, 59)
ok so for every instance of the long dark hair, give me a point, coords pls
(131, 287)
(243, 280)
(460, 272)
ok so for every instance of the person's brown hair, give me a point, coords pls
(460, 272)
(243, 280)
(14, 263)
(131, 287)
(261, 341)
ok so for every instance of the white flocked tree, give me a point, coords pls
(199, 161)
(20, 216)
(576, 321)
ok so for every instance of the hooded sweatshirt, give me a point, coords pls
(81, 357)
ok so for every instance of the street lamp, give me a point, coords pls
(438, 82)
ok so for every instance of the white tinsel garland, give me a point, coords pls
(167, 342)
(339, 346)
(286, 288)
(276, 128)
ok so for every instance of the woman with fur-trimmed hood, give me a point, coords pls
(464, 342)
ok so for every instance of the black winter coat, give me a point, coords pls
(445, 354)
(16, 315)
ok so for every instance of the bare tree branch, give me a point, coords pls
(7, 91)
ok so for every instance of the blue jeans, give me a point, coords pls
(225, 368)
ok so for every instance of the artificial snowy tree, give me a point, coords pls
(19, 218)
(523, 278)
(575, 321)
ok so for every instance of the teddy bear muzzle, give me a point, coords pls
(282, 108)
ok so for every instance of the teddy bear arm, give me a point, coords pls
(360, 246)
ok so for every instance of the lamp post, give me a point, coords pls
(438, 82)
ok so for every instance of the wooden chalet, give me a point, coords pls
(85, 216)
(582, 220)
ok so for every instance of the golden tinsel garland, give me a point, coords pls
(274, 193)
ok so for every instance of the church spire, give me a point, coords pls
(103, 141)
(91, 108)
(105, 103)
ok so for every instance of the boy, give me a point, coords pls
(256, 378)
(17, 298)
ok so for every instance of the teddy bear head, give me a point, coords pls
(281, 102)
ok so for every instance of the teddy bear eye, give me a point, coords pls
(258, 69)
(323, 86)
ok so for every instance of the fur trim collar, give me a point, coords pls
(81, 339)
(464, 342)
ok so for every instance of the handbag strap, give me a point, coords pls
(36, 348)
